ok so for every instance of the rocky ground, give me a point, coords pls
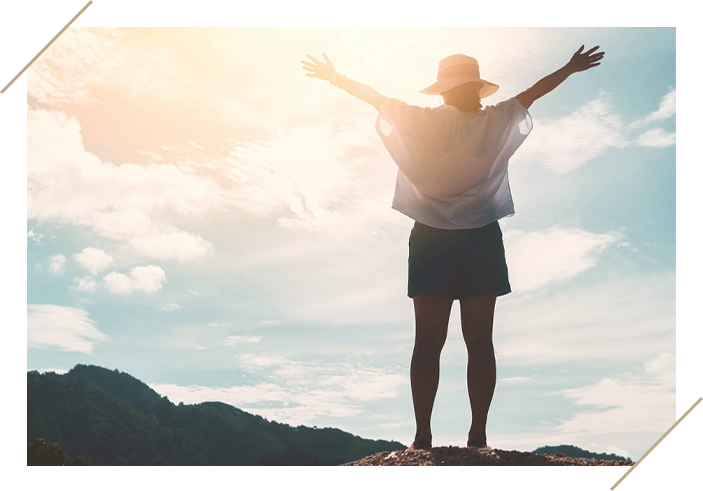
(475, 456)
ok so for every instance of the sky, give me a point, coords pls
(206, 218)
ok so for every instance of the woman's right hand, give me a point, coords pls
(580, 61)
(318, 69)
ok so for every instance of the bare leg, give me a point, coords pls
(431, 323)
(477, 328)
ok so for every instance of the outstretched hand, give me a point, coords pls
(319, 69)
(581, 61)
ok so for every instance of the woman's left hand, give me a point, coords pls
(318, 69)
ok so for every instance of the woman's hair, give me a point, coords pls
(464, 97)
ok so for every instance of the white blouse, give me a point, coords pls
(452, 165)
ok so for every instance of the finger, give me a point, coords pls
(591, 50)
(307, 63)
(311, 75)
(309, 69)
(314, 59)
(593, 64)
(580, 49)
(326, 59)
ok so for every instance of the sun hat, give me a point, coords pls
(456, 70)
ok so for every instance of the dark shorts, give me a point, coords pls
(457, 263)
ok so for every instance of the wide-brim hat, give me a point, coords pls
(457, 70)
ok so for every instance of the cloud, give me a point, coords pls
(147, 279)
(635, 403)
(304, 391)
(57, 264)
(365, 288)
(237, 340)
(83, 53)
(563, 145)
(172, 244)
(94, 260)
(128, 202)
(620, 319)
(334, 188)
(64, 328)
(35, 237)
(618, 414)
(537, 259)
(86, 284)
(58, 371)
(170, 307)
(657, 138)
(513, 380)
(667, 109)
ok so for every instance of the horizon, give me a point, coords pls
(175, 215)
(61, 372)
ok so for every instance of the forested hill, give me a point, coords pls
(572, 451)
(111, 418)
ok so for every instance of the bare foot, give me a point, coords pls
(421, 444)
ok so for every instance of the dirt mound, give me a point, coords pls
(475, 456)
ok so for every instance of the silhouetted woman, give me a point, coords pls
(453, 181)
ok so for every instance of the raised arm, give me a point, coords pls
(325, 71)
(579, 62)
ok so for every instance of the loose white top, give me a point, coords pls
(452, 165)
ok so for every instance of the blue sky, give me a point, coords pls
(226, 234)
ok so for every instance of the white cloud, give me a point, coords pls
(667, 109)
(152, 158)
(35, 237)
(83, 53)
(170, 307)
(513, 380)
(304, 390)
(127, 202)
(368, 288)
(565, 144)
(147, 279)
(64, 328)
(627, 318)
(333, 188)
(537, 259)
(634, 403)
(237, 340)
(94, 260)
(58, 371)
(618, 415)
(86, 284)
(657, 138)
(172, 244)
(57, 264)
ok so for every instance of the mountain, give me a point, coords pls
(111, 418)
(576, 452)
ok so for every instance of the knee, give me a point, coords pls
(429, 347)
(478, 338)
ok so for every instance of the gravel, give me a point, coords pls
(475, 456)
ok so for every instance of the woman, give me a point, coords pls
(453, 182)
